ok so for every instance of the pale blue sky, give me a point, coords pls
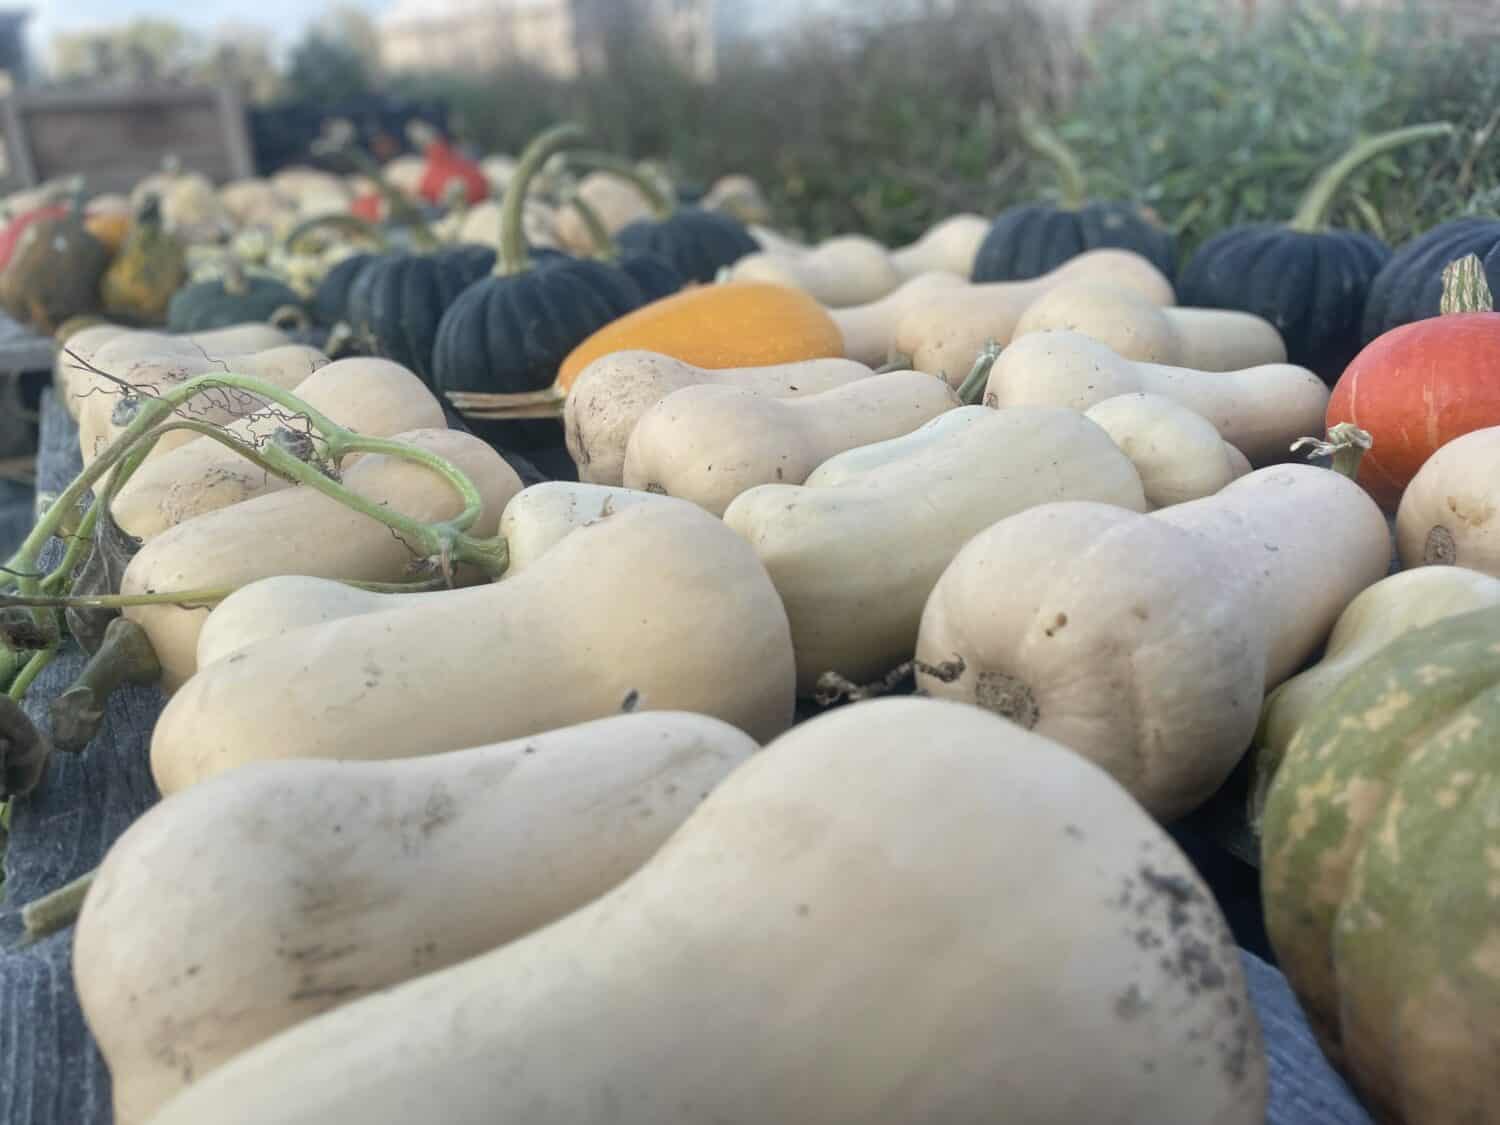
(287, 18)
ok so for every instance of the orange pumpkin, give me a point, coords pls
(1419, 386)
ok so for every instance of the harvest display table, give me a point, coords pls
(50, 1071)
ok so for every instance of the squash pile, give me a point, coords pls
(575, 800)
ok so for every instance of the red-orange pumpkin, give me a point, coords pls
(1419, 386)
(11, 234)
(446, 167)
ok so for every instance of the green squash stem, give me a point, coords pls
(1465, 287)
(56, 910)
(340, 139)
(1312, 210)
(513, 257)
(125, 656)
(1045, 143)
(660, 205)
(349, 224)
(971, 390)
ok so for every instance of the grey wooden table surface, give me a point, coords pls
(50, 1071)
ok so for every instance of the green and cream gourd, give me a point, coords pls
(1381, 874)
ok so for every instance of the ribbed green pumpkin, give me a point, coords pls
(1381, 873)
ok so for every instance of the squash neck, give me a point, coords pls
(1048, 145)
(513, 257)
(1312, 210)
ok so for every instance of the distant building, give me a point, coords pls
(558, 37)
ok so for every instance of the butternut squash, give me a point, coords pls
(1450, 512)
(99, 425)
(1147, 643)
(617, 201)
(1179, 454)
(950, 245)
(774, 242)
(710, 443)
(1202, 339)
(850, 270)
(374, 397)
(856, 551)
(613, 392)
(300, 531)
(1387, 611)
(867, 329)
(289, 888)
(946, 334)
(920, 899)
(535, 521)
(657, 605)
(125, 346)
(1260, 411)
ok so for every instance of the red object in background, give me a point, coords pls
(370, 207)
(445, 166)
(10, 235)
(1415, 389)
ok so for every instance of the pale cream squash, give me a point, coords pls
(258, 900)
(374, 397)
(710, 443)
(1203, 339)
(1147, 643)
(1179, 454)
(1450, 512)
(658, 606)
(856, 551)
(100, 424)
(610, 395)
(301, 531)
(946, 334)
(950, 244)
(894, 914)
(535, 521)
(843, 271)
(1260, 411)
(868, 329)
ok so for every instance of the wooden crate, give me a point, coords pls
(115, 137)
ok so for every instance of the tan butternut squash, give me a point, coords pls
(126, 346)
(612, 393)
(946, 334)
(617, 201)
(920, 899)
(535, 521)
(710, 443)
(658, 606)
(289, 888)
(774, 242)
(868, 328)
(99, 420)
(300, 531)
(374, 397)
(849, 270)
(856, 551)
(1260, 411)
(1179, 455)
(1450, 512)
(1202, 339)
(950, 245)
(1147, 643)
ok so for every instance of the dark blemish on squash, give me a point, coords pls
(1072, 831)
(323, 992)
(236, 658)
(803, 910)
(1007, 696)
(1148, 1066)
(1140, 612)
(1057, 623)
(529, 750)
(1178, 890)
(656, 488)
(192, 970)
(1130, 1004)
(316, 954)
(1441, 548)
(631, 701)
(440, 809)
(779, 475)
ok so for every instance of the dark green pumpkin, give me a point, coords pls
(697, 243)
(401, 299)
(1410, 287)
(330, 304)
(653, 275)
(508, 333)
(1310, 282)
(236, 298)
(1031, 239)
